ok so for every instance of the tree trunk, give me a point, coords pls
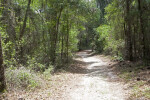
(62, 45)
(128, 33)
(67, 44)
(54, 36)
(2, 75)
(25, 21)
(22, 31)
(142, 30)
(134, 43)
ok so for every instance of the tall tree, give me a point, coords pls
(22, 31)
(140, 4)
(128, 32)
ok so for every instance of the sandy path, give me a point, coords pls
(90, 79)
(99, 83)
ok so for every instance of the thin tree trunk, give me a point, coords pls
(54, 37)
(134, 43)
(128, 33)
(25, 21)
(62, 46)
(142, 29)
(67, 40)
(8, 20)
(22, 31)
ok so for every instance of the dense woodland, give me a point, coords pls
(39, 34)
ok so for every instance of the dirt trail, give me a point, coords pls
(98, 83)
(89, 78)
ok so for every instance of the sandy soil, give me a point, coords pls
(98, 82)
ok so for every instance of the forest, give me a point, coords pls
(41, 38)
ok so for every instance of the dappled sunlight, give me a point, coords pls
(74, 49)
(98, 83)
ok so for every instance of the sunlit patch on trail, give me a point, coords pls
(96, 84)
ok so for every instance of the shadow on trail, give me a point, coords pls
(103, 71)
(98, 70)
(78, 67)
(99, 81)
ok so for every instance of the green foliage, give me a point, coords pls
(42, 35)
(105, 41)
(21, 78)
(47, 73)
(101, 37)
(34, 65)
(138, 92)
(46, 31)
(8, 47)
(73, 39)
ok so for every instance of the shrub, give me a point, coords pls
(48, 71)
(21, 78)
(34, 65)
(106, 41)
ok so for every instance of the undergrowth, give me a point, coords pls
(140, 89)
(134, 76)
(21, 78)
(29, 77)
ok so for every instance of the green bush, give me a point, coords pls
(47, 72)
(34, 65)
(106, 41)
(21, 78)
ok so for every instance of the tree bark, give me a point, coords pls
(25, 20)
(22, 31)
(142, 29)
(54, 36)
(2, 72)
(62, 45)
(67, 42)
(129, 55)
